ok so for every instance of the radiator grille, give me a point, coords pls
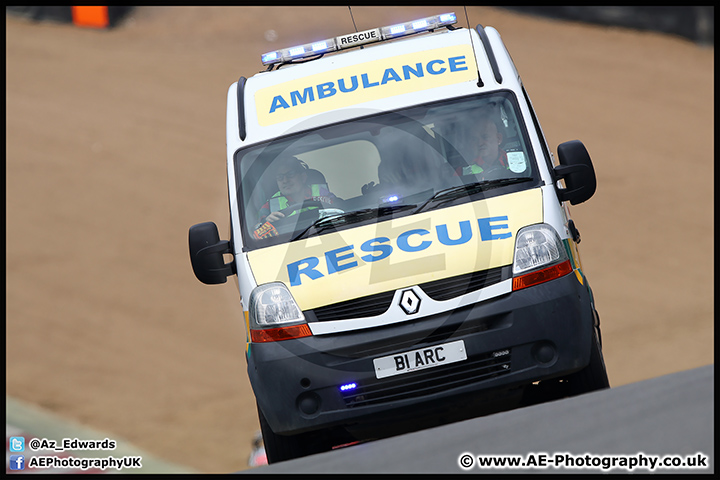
(358, 307)
(439, 290)
(452, 287)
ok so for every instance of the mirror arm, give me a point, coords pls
(220, 247)
(564, 170)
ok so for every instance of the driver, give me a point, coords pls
(291, 176)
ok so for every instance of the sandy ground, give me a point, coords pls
(116, 146)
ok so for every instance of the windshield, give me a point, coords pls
(379, 167)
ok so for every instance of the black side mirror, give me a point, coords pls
(577, 170)
(206, 254)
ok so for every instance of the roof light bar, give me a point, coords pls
(320, 46)
(359, 38)
(270, 57)
(396, 30)
(296, 51)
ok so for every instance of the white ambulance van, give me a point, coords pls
(401, 238)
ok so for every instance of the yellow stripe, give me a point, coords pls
(576, 260)
(401, 268)
(375, 80)
(247, 330)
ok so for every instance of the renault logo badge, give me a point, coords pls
(409, 302)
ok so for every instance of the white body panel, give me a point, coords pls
(256, 133)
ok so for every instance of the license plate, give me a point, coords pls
(420, 359)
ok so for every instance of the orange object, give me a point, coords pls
(93, 17)
(280, 333)
(544, 275)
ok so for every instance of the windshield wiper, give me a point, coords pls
(388, 209)
(351, 217)
(458, 191)
(322, 223)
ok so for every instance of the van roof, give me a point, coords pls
(439, 64)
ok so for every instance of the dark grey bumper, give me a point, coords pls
(511, 341)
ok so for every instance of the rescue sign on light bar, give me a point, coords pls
(358, 38)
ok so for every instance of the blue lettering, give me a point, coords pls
(418, 72)
(294, 270)
(390, 75)
(333, 260)
(307, 95)
(431, 70)
(326, 90)
(379, 248)
(455, 63)
(404, 245)
(366, 82)
(465, 234)
(354, 82)
(368, 246)
(278, 102)
(486, 229)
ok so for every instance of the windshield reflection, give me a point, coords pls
(374, 168)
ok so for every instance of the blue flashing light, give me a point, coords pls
(269, 57)
(448, 17)
(319, 46)
(390, 199)
(348, 386)
(420, 24)
(397, 29)
(295, 51)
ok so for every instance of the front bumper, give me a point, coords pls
(525, 336)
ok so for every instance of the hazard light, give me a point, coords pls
(280, 333)
(356, 39)
(273, 314)
(540, 256)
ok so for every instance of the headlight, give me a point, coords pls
(274, 315)
(537, 246)
(272, 305)
(540, 256)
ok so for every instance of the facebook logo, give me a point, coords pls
(17, 444)
(17, 462)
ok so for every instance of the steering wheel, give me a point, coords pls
(313, 213)
(287, 211)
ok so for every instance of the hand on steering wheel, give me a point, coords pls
(286, 213)
(275, 216)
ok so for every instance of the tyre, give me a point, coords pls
(280, 447)
(594, 376)
(287, 447)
